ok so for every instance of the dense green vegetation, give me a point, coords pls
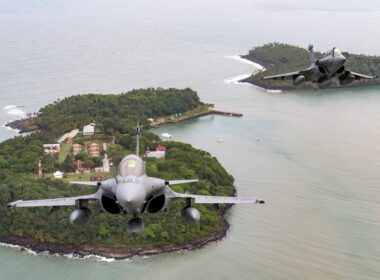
(115, 113)
(19, 157)
(281, 58)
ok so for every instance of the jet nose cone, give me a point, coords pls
(131, 197)
(341, 59)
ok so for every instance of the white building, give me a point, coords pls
(106, 164)
(89, 130)
(58, 175)
(155, 154)
(51, 148)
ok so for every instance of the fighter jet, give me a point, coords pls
(131, 192)
(322, 71)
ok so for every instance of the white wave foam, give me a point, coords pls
(14, 111)
(274, 90)
(237, 79)
(20, 248)
(239, 58)
(9, 128)
(266, 90)
(9, 107)
(70, 256)
(98, 258)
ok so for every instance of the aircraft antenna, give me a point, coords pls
(138, 132)
(114, 172)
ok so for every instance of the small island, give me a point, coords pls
(74, 139)
(279, 58)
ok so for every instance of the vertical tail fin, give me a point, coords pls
(312, 56)
(138, 132)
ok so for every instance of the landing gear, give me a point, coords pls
(135, 226)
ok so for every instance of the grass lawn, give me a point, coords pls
(65, 150)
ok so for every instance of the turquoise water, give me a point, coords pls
(314, 157)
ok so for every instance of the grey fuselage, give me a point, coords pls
(328, 67)
(132, 190)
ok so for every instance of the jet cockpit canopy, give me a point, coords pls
(132, 165)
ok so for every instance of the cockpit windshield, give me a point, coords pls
(132, 165)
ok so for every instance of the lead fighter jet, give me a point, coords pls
(323, 71)
(132, 192)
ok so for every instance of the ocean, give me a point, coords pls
(313, 156)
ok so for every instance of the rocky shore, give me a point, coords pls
(23, 125)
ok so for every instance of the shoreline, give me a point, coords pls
(245, 78)
(275, 88)
(84, 251)
(167, 120)
(21, 126)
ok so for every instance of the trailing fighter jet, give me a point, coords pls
(132, 192)
(322, 71)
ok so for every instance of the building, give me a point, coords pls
(78, 166)
(58, 175)
(106, 164)
(98, 169)
(94, 149)
(160, 148)
(158, 153)
(77, 148)
(89, 130)
(51, 148)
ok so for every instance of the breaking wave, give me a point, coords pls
(237, 79)
(239, 58)
(71, 256)
(15, 110)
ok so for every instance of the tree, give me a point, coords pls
(68, 164)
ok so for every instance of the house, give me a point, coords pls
(158, 153)
(77, 148)
(94, 149)
(51, 148)
(58, 175)
(160, 148)
(89, 130)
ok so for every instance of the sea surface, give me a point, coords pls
(313, 156)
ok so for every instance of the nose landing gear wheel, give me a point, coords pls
(135, 226)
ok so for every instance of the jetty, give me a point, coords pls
(180, 118)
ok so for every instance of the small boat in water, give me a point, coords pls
(166, 135)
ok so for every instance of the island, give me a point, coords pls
(74, 139)
(279, 58)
